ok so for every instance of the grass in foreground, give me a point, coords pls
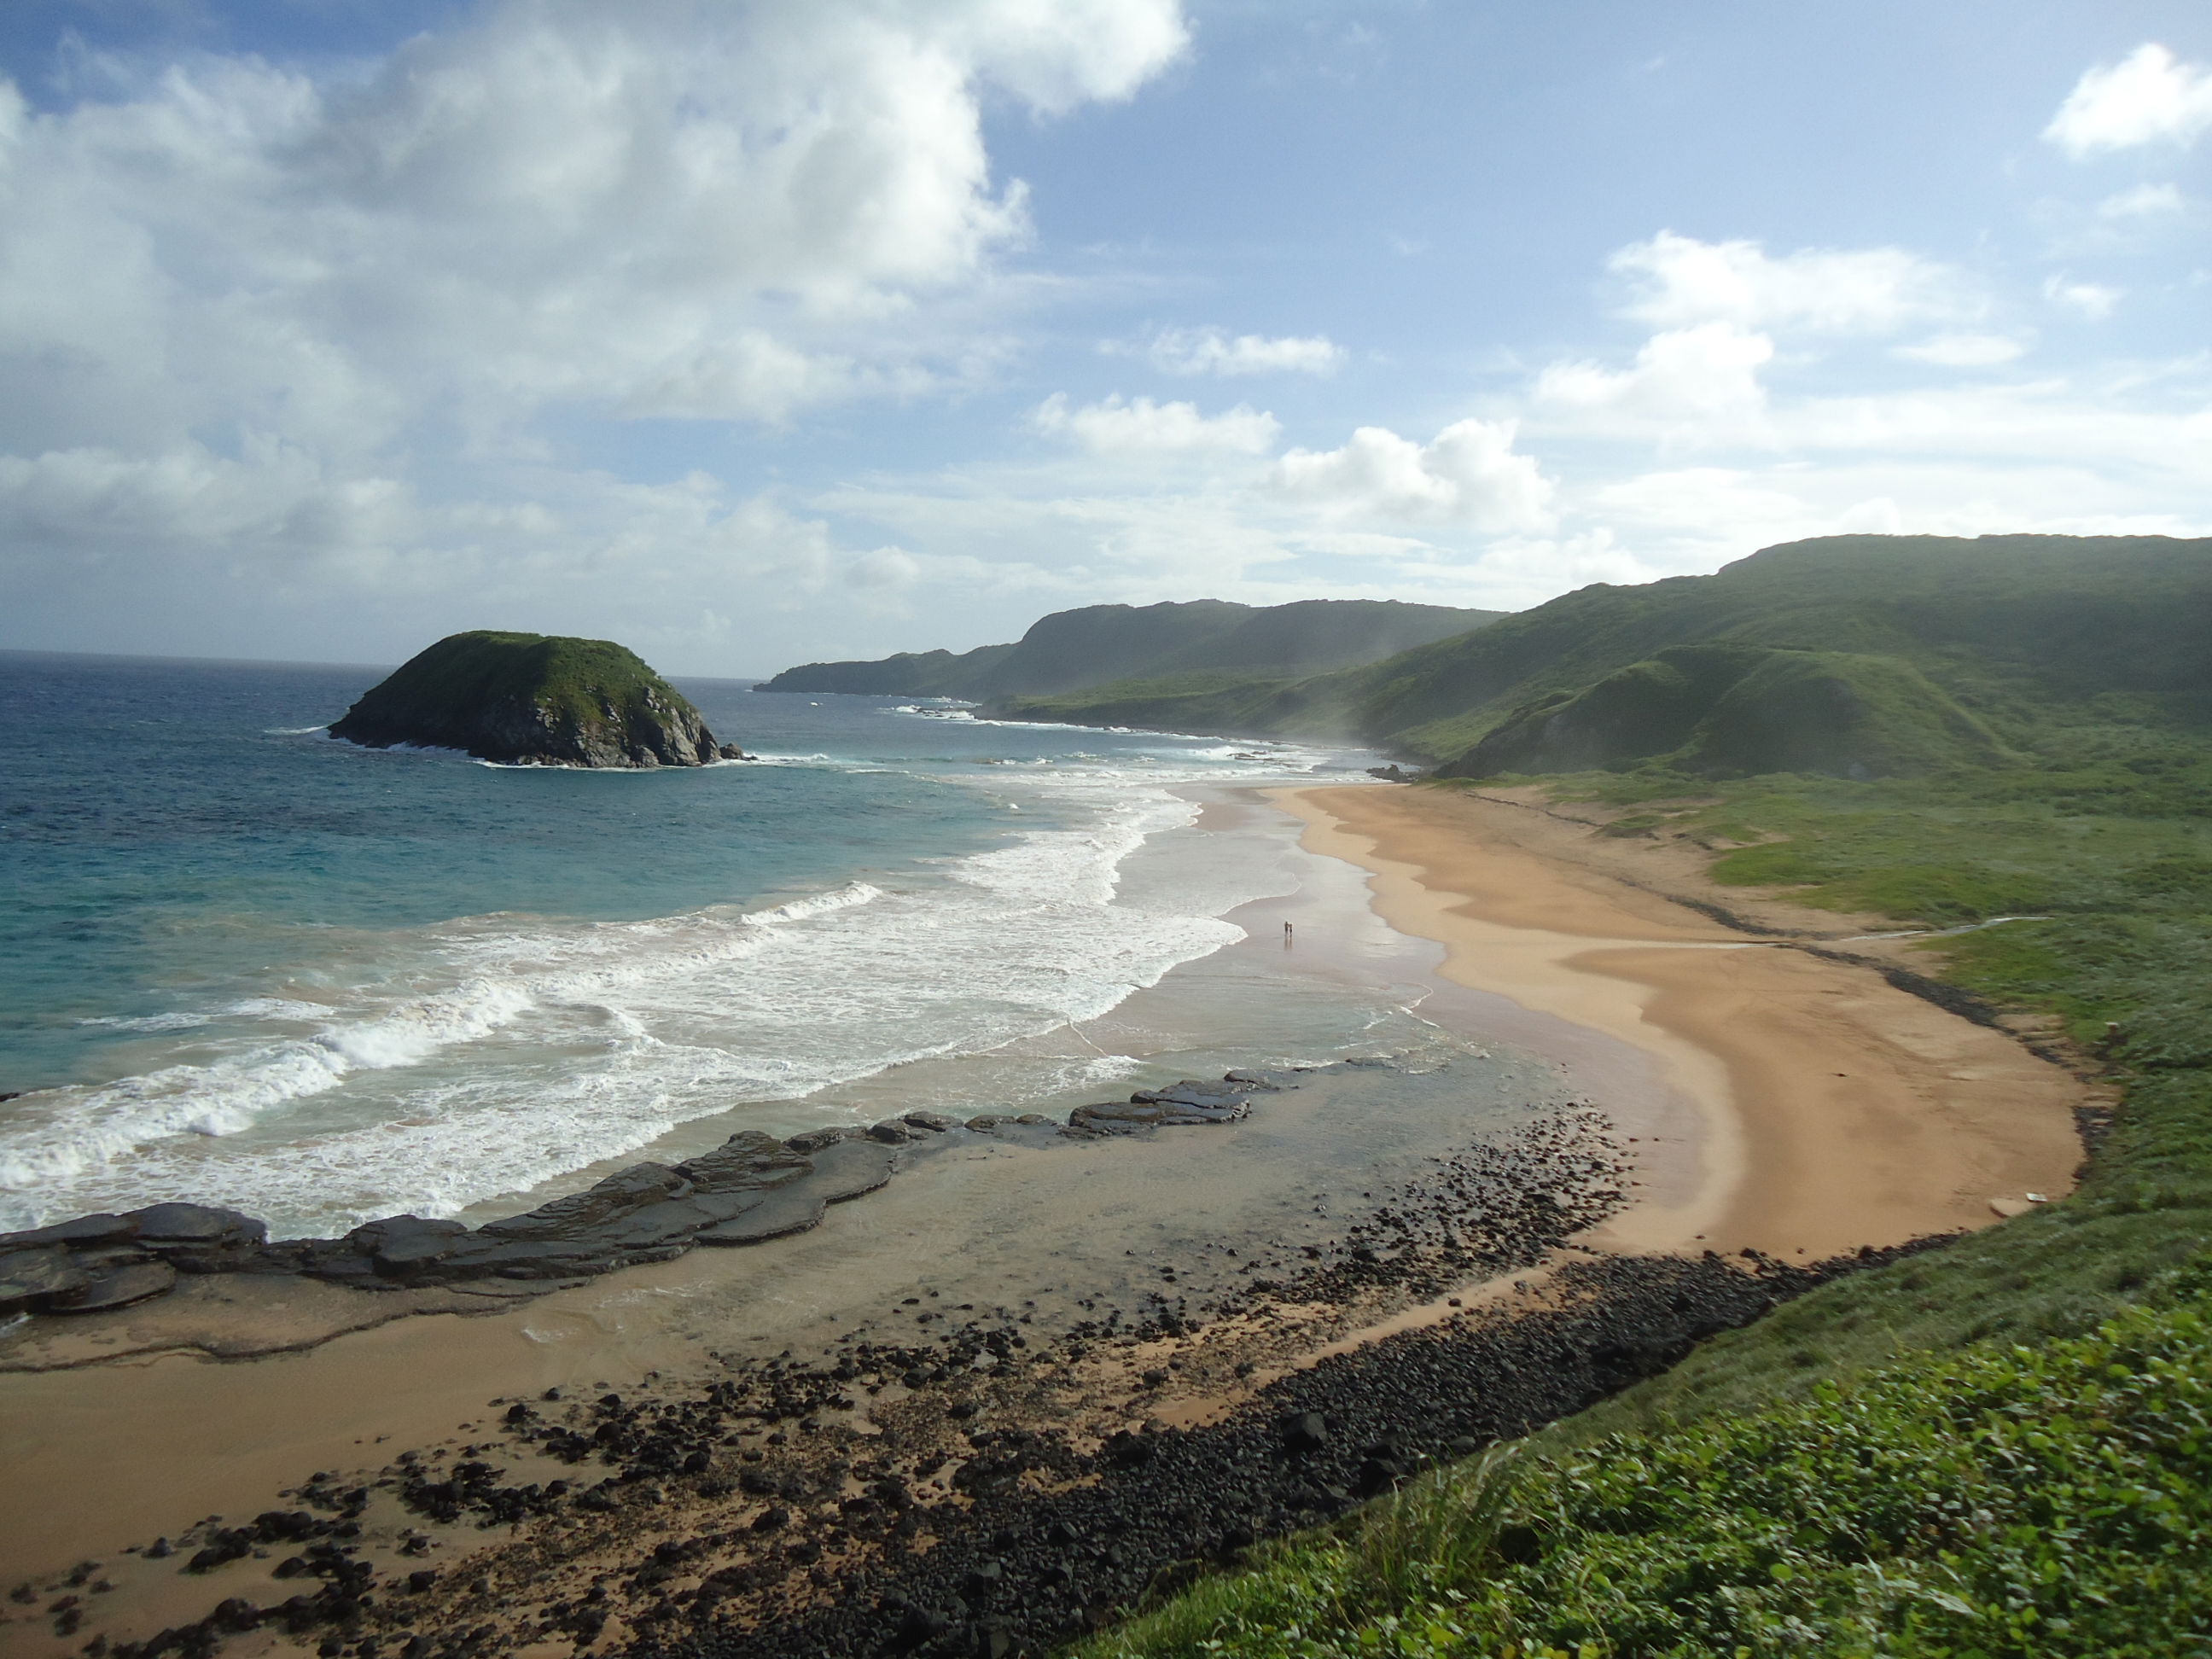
(2003, 1448)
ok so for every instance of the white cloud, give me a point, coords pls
(1209, 351)
(884, 568)
(1963, 350)
(667, 209)
(2143, 202)
(1689, 383)
(1469, 475)
(2148, 97)
(1139, 424)
(248, 313)
(2094, 301)
(1679, 281)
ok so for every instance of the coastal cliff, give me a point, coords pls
(535, 699)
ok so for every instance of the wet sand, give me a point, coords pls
(1834, 1110)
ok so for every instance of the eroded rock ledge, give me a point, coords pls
(751, 1188)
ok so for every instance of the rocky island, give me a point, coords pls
(534, 699)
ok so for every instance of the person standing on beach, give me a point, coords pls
(1286, 932)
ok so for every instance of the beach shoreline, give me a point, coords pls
(1693, 1038)
(1832, 1111)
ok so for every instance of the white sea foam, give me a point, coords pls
(514, 1049)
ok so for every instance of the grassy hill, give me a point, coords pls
(2002, 627)
(1072, 649)
(1739, 710)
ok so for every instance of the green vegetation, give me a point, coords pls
(2006, 629)
(532, 697)
(568, 678)
(1241, 648)
(1738, 710)
(2005, 1500)
(1166, 702)
(2000, 1448)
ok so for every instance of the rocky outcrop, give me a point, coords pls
(535, 699)
(750, 1188)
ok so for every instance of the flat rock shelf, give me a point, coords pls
(750, 1188)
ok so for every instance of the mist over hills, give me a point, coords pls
(1071, 650)
(1859, 655)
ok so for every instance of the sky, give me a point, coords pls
(750, 334)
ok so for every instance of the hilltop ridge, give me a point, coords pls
(1973, 637)
(1092, 645)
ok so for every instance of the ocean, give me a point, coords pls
(244, 964)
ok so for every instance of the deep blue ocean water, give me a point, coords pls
(240, 960)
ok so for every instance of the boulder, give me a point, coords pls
(813, 1140)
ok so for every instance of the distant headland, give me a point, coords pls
(535, 699)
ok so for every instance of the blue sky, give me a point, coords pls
(749, 334)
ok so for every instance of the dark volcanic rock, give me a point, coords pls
(34, 1278)
(750, 1188)
(402, 1246)
(581, 1213)
(195, 1226)
(848, 1170)
(791, 1210)
(747, 1158)
(85, 1231)
(534, 699)
(120, 1286)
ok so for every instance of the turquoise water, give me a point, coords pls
(244, 963)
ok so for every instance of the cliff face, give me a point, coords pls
(534, 699)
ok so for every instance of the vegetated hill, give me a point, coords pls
(1739, 710)
(534, 699)
(2004, 626)
(1070, 649)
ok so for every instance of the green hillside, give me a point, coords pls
(1738, 710)
(2004, 627)
(1070, 650)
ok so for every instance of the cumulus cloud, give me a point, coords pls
(1469, 475)
(1209, 351)
(2094, 301)
(239, 298)
(1117, 426)
(671, 208)
(1679, 281)
(1962, 351)
(1685, 382)
(2143, 202)
(2148, 97)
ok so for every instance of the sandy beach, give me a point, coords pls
(1833, 1110)
(1758, 1098)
